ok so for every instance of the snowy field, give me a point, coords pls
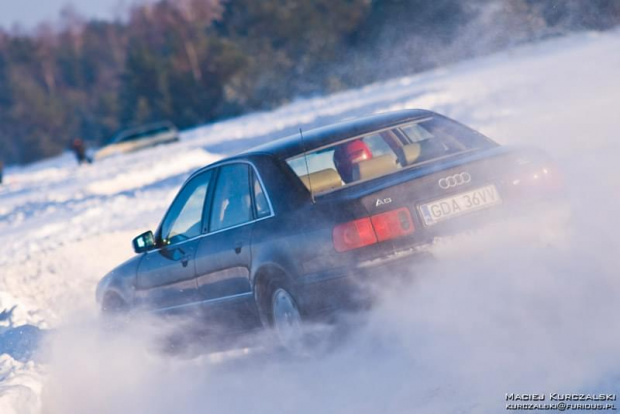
(501, 316)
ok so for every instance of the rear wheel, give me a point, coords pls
(289, 324)
(286, 319)
(280, 312)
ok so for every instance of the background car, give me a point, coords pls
(135, 139)
(286, 232)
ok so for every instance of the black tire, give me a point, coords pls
(280, 311)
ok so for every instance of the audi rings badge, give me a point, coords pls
(454, 180)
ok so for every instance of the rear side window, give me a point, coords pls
(260, 200)
(383, 152)
(232, 203)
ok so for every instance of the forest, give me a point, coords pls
(197, 61)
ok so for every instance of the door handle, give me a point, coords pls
(238, 247)
(185, 261)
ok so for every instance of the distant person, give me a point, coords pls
(1, 169)
(78, 147)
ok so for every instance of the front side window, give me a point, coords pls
(184, 219)
(232, 203)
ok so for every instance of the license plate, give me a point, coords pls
(456, 205)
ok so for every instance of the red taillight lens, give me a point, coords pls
(370, 230)
(392, 224)
(553, 178)
(547, 178)
(353, 235)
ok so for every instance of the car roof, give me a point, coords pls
(143, 129)
(319, 137)
(290, 146)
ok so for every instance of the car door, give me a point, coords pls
(167, 276)
(224, 256)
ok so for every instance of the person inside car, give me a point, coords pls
(349, 154)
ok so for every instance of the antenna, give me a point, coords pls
(303, 145)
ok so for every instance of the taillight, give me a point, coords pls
(392, 224)
(353, 235)
(553, 178)
(546, 178)
(370, 230)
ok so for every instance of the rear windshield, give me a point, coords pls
(383, 152)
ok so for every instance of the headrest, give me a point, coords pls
(374, 167)
(322, 180)
(411, 153)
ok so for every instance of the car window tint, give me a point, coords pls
(311, 163)
(185, 216)
(445, 133)
(416, 132)
(262, 206)
(324, 159)
(377, 145)
(383, 152)
(231, 202)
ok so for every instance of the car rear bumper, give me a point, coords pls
(355, 288)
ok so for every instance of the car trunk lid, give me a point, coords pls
(445, 195)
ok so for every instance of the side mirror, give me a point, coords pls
(144, 242)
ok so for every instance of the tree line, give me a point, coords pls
(197, 61)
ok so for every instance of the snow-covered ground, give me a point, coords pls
(489, 321)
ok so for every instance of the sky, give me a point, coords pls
(29, 13)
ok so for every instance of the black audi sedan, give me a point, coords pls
(288, 232)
